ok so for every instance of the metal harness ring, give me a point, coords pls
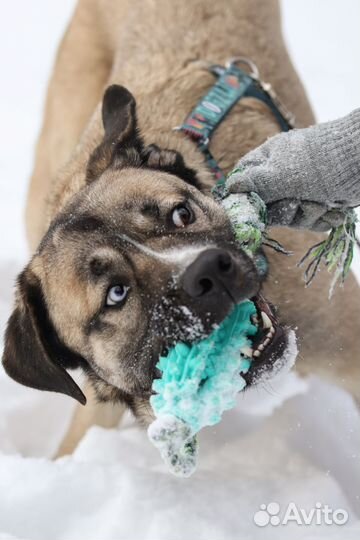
(254, 71)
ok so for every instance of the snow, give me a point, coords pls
(298, 441)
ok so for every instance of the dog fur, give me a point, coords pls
(157, 50)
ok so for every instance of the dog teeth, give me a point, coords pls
(271, 333)
(255, 319)
(269, 336)
(247, 351)
(266, 321)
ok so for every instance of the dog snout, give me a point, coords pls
(216, 272)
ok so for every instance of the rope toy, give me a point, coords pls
(201, 381)
(198, 383)
(248, 215)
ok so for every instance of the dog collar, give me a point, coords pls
(232, 84)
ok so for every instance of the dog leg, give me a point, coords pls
(81, 70)
(106, 415)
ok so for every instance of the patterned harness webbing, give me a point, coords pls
(231, 85)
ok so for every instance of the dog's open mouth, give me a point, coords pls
(272, 348)
(269, 343)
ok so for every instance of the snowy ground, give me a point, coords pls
(300, 443)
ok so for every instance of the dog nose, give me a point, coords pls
(214, 271)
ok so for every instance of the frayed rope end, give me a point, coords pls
(336, 252)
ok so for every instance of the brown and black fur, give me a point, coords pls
(99, 174)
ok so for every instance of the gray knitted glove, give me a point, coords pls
(307, 177)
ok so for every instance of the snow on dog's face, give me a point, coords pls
(114, 277)
(139, 260)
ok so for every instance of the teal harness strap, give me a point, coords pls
(209, 112)
(232, 85)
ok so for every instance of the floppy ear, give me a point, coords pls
(33, 353)
(121, 140)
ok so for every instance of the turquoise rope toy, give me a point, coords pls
(198, 383)
(201, 381)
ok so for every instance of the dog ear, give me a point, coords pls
(33, 353)
(121, 140)
(169, 161)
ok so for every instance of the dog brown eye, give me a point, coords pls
(182, 216)
(116, 295)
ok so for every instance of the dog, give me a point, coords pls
(130, 251)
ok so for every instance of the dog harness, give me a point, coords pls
(232, 84)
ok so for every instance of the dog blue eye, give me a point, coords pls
(116, 295)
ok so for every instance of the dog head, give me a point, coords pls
(138, 260)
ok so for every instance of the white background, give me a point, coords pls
(114, 486)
